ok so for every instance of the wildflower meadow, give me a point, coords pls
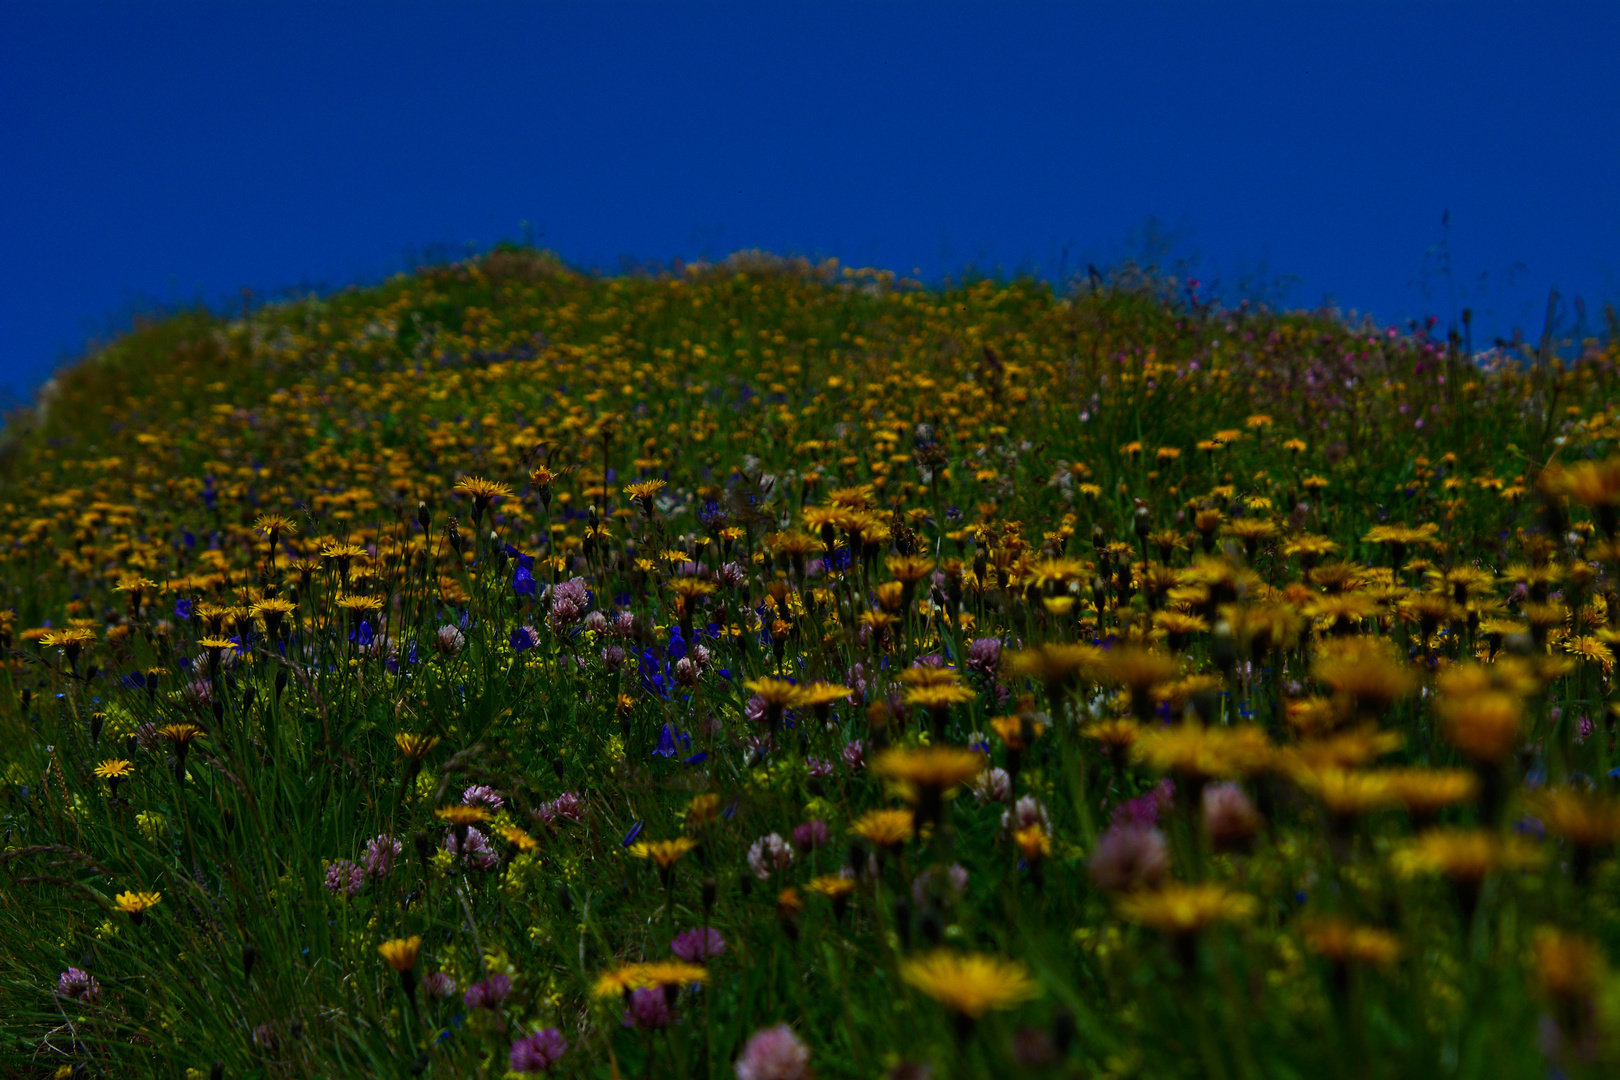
(772, 670)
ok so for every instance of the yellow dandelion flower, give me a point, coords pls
(970, 984)
(400, 953)
(885, 828)
(1177, 908)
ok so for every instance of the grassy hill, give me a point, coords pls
(505, 669)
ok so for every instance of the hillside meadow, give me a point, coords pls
(772, 670)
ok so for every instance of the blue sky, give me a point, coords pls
(155, 154)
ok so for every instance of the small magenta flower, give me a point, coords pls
(487, 994)
(810, 835)
(698, 945)
(79, 986)
(438, 985)
(344, 878)
(855, 755)
(768, 855)
(984, 655)
(449, 640)
(474, 851)
(482, 795)
(774, 1053)
(1129, 857)
(649, 1009)
(380, 855)
(538, 1052)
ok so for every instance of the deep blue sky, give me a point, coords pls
(156, 153)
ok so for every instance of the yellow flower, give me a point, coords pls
(704, 809)
(462, 815)
(518, 838)
(483, 492)
(970, 984)
(938, 695)
(1569, 966)
(1366, 671)
(181, 735)
(1483, 726)
(273, 525)
(818, 695)
(414, 746)
(778, 693)
(1054, 664)
(114, 769)
(644, 491)
(400, 953)
(1584, 820)
(136, 903)
(1194, 750)
(833, 886)
(666, 853)
(1033, 841)
(1463, 854)
(628, 977)
(1425, 792)
(885, 828)
(1343, 941)
(1344, 791)
(1011, 730)
(1187, 909)
(937, 767)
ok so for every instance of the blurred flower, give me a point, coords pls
(487, 994)
(698, 944)
(774, 1053)
(969, 983)
(768, 855)
(537, 1052)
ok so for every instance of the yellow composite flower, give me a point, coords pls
(400, 953)
(1054, 663)
(938, 767)
(462, 815)
(1117, 733)
(136, 903)
(181, 735)
(1346, 750)
(114, 769)
(415, 746)
(885, 828)
(938, 695)
(1343, 941)
(1011, 730)
(1192, 749)
(775, 692)
(1177, 908)
(1584, 820)
(639, 976)
(703, 809)
(818, 695)
(1033, 841)
(833, 886)
(666, 853)
(1464, 854)
(272, 525)
(1347, 791)
(518, 838)
(1425, 792)
(1365, 670)
(1483, 726)
(970, 984)
(1568, 966)
(483, 492)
